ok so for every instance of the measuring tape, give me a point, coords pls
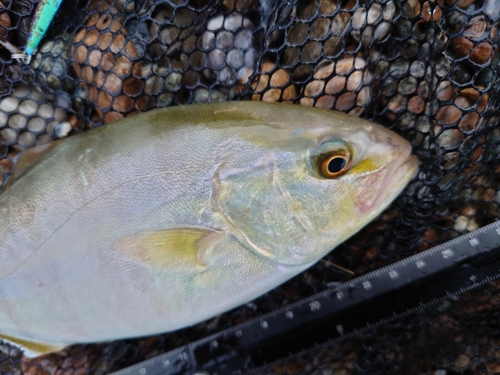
(375, 298)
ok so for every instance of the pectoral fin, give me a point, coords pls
(32, 348)
(170, 248)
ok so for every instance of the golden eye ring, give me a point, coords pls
(333, 164)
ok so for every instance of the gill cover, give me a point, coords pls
(267, 193)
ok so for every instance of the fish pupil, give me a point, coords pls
(336, 165)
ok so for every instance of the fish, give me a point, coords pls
(165, 219)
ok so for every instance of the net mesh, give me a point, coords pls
(426, 69)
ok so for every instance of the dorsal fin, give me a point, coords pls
(28, 158)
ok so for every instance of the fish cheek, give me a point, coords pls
(367, 184)
(254, 205)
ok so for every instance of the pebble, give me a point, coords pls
(271, 95)
(243, 75)
(324, 69)
(173, 81)
(354, 81)
(345, 101)
(46, 111)
(243, 40)
(17, 121)
(216, 59)
(224, 40)
(320, 28)
(416, 105)
(280, 78)
(226, 76)
(28, 107)
(448, 115)
(21, 91)
(3, 118)
(164, 100)
(9, 135)
(335, 85)
(368, 19)
(37, 125)
(325, 101)
(314, 88)
(233, 22)
(153, 86)
(9, 104)
(235, 58)
(201, 95)
(461, 223)
(450, 138)
(215, 23)
(5, 23)
(113, 83)
(27, 139)
(61, 129)
(340, 23)
(298, 33)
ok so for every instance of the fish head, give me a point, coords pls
(293, 191)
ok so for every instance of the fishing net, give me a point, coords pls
(426, 69)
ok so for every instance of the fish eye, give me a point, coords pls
(331, 159)
(334, 163)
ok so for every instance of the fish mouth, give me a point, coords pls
(394, 178)
(397, 176)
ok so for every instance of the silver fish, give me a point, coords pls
(168, 218)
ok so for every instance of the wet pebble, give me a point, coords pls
(314, 88)
(17, 121)
(235, 58)
(233, 22)
(201, 95)
(215, 23)
(5, 23)
(216, 59)
(27, 139)
(3, 118)
(61, 129)
(224, 40)
(9, 135)
(37, 125)
(46, 111)
(450, 138)
(28, 107)
(9, 104)
(243, 40)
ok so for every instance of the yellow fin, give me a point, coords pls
(28, 158)
(33, 348)
(169, 248)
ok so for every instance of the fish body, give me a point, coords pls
(170, 217)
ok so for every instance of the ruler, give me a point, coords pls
(375, 298)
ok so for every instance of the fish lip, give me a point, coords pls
(409, 164)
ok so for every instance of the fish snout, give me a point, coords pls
(388, 181)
